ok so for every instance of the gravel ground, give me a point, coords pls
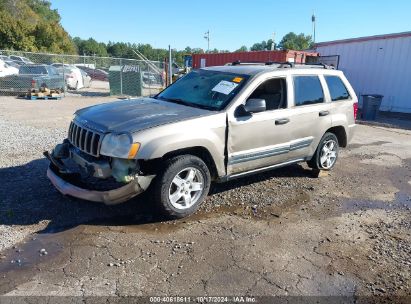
(279, 233)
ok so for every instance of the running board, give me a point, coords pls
(259, 170)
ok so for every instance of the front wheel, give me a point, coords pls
(326, 154)
(182, 186)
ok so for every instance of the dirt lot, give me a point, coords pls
(279, 233)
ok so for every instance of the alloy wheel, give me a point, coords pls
(328, 154)
(186, 188)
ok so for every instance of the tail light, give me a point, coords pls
(33, 84)
(355, 107)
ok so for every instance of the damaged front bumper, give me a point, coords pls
(60, 176)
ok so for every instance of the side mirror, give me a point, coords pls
(254, 105)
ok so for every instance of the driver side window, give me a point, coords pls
(274, 92)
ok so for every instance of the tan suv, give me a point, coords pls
(214, 124)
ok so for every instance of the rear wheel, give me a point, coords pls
(182, 186)
(326, 154)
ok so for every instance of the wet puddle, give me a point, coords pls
(42, 248)
(402, 200)
(31, 252)
(45, 250)
(24, 260)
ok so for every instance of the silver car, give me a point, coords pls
(213, 125)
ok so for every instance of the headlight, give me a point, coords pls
(119, 145)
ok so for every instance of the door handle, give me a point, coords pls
(282, 121)
(323, 113)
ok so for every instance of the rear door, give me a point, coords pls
(310, 115)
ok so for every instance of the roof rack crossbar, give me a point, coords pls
(281, 64)
(238, 62)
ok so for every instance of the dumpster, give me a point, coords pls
(125, 80)
(370, 106)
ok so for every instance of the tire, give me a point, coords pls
(173, 188)
(326, 154)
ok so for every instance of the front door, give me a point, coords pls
(261, 139)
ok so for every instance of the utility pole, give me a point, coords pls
(273, 45)
(207, 37)
(170, 68)
(313, 22)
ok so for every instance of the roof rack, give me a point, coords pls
(317, 64)
(286, 64)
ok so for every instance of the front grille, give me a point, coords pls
(86, 140)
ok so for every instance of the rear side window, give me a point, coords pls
(52, 70)
(338, 91)
(307, 90)
(33, 70)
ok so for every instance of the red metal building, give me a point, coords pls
(205, 60)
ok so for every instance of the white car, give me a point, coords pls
(21, 59)
(6, 69)
(72, 74)
(86, 79)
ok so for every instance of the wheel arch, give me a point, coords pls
(341, 134)
(198, 151)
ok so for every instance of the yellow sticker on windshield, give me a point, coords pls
(237, 79)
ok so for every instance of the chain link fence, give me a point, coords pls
(21, 72)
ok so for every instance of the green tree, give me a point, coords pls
(242, 49)
(31, 25)
(90, 47)
(259, 46)
(118, 49)
(292, 41)
(198, 51)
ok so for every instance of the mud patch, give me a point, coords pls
(383, 159)
(375, 143)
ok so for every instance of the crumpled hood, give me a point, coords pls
(134, 115)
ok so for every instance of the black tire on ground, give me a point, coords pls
(163, 182)
(315, 162)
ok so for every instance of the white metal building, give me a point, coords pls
(376, 65)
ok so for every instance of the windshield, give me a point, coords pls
(207, 89)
